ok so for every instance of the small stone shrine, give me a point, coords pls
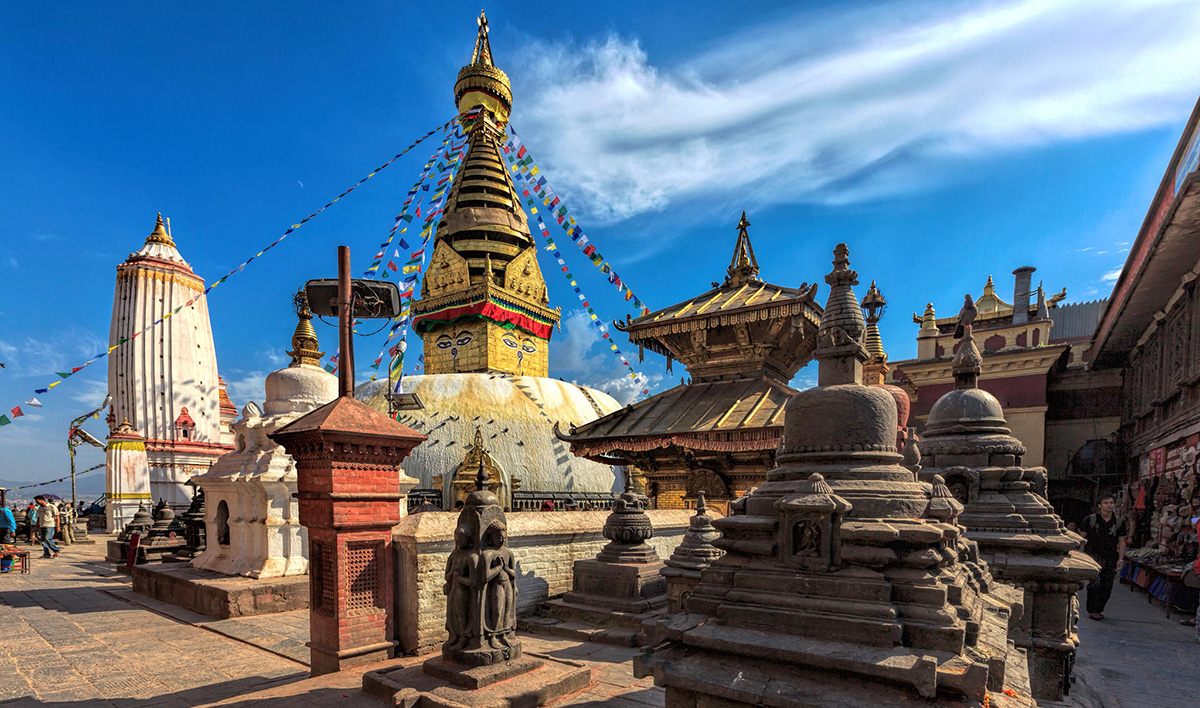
(693, 554)
(841, 583)
(481, 661)
(623, 585)
(118, 550)
(193, 527)
(166, 534)
(968, 443)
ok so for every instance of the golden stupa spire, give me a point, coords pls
(480, 83)
(304, 338)
(744, 266)
(160, 235)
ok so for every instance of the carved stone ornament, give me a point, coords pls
(810, 527)
(627, 529)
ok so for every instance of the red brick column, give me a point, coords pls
(350, 492)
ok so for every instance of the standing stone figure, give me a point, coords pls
(481, 584)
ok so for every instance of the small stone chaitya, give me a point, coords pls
(843, 580)
(968, 443)
(693, 554)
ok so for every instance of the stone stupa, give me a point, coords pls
(968, 443)
(842, 582)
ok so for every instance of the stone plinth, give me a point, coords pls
(532, 680)
(219, 596)
(623, 585)
(351, 494)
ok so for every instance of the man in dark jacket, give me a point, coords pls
(1105, 535)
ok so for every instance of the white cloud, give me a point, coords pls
(1112, 275)
(853, 105)
(245, 386)
(31, 356)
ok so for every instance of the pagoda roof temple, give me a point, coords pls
(741, 341)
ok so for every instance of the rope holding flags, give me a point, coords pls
(522, 162)
(60, 479)
(17, 413)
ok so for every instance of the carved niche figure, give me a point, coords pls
(481, 584)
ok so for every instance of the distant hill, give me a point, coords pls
(87, 486)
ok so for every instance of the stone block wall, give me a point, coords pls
(546, 546)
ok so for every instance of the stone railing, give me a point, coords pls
(546, 547)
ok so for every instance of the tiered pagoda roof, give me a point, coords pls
(741, 341)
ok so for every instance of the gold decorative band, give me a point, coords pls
(126, 445)
(109, 495)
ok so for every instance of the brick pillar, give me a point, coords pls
(351, 493)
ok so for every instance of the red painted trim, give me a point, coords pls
(157, 444)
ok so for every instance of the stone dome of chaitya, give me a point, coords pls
(967, 412)
(515, 416)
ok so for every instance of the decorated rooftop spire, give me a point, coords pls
(744, 266)
(480, 83)
(840, 349)
(160, 235)
(484, 304)
(304, 339)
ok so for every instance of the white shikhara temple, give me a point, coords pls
(164, 383)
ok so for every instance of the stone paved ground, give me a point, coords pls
(1137, 657)
(69, 636)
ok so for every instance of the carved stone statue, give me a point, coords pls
(481, 584)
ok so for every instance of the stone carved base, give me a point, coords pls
(532, 680)
(635, 588)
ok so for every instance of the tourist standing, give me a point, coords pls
(1105, 534)
(8, 526)
(31, 521)
(47, 521)
(66, 517)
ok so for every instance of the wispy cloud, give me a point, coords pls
(572, 356)
(245, 386)
(851, 107)
(1112, 275)
(31, 356)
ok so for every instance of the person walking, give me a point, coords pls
(1106, 538)
(47, 521)
(66, 521)
(31, 521)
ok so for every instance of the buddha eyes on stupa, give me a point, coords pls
(464, 338)
(444, 342)
(510, 341)
(528, 346)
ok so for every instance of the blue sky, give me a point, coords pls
(942, 141)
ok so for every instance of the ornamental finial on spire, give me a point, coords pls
(160, 235)
(482, 56)
(840, 349)
(744, 266)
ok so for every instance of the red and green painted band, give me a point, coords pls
(498, 311)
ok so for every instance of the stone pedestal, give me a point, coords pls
(351, 493)
(623, 586)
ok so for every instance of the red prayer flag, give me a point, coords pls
(392, 266)
(17, 412)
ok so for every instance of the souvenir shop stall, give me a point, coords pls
(1162, 505)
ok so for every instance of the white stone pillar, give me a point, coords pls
(126, 476)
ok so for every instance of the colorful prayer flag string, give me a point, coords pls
(522, 162)
(5, 420)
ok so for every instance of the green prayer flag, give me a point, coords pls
(4, 421)
(61, 374)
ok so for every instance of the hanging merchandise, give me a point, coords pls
(522, 162)
(5, 420)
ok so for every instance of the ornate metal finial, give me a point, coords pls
(160, 235)
(743, 267)
(989, 287)
(481, 477)
(480, 83)
(304, 338)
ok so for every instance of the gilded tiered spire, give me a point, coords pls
(304, 339)
(160, 235)
(744, 266)
(484, 304)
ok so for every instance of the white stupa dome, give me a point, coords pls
(515, 416)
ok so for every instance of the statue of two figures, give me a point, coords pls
(481, 586)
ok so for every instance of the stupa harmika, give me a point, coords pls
(164, 382)
(486, 321)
